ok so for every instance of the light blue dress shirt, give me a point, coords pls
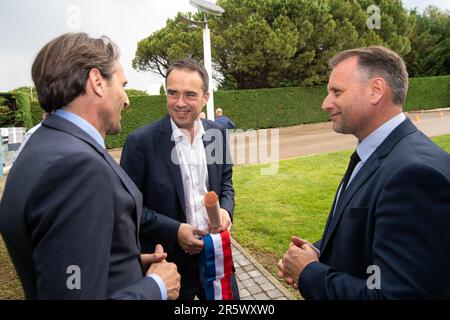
(82, 124)
(366, 147)
(93, 132)
(161, 285)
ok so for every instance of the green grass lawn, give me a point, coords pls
(269, 209)
(10, 287)
(443, 142)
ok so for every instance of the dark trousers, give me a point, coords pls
(199, 292)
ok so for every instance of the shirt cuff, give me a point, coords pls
(161, 285)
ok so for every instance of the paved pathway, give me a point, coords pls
(255, 282)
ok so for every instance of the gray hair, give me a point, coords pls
(382, 62)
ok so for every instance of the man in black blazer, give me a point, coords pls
(388, 232)
(174, 162)
(69, 214)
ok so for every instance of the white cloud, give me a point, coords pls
(28, 25)
(422, 4)
(15, 70)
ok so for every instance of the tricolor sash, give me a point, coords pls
(217, 266)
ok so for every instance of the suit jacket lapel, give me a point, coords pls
(327, 224)
(62, 124)
(130, 186)
(167, 146)
(367, 170)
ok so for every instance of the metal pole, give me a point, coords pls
(208, 67)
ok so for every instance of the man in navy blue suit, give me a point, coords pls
(388, 231)
(223, 120)
(175, 161)
(70, 215)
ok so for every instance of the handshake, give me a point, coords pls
(155, 263)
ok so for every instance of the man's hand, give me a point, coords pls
(298, 256)
(281, 274)
(225, 222)
(168, 273)
(156, 263)
(300, 242)
(187, 240)
(149, 258)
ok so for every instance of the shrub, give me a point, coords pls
(142, 110)
(136, 92)
(270, 108)
(428, 93)
(23, 113)
(8, 109)
(36, 112)
(7, 116)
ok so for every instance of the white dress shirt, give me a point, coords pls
(194, 173)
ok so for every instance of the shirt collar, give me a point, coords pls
(177, 133)
(366, 147)
(82, 124)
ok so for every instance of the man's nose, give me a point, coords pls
(127, 101)
(327, 103)
(181, 100)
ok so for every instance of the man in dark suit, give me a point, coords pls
(388, 232)
(69, 214)
(224, 120)
(174, 162)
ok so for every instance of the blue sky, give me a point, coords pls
(26, 25)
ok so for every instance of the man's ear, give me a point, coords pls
(205, 98)
(378, 88)
(96, 82)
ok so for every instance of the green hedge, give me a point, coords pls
(7, 114)
(23, 113)
(271, 108)
(7, 109)
(280, 107)
(15, 110)
(36, 112)
(143, 110)
(249, 109)
(428, 93)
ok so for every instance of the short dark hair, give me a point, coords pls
(191, 65)
(61, 68)
(382, 62)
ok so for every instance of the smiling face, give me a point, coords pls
(348, 99)
(116, 101)
(185, 97)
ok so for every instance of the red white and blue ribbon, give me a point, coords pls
(217, 266)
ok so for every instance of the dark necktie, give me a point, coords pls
(354, 159)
